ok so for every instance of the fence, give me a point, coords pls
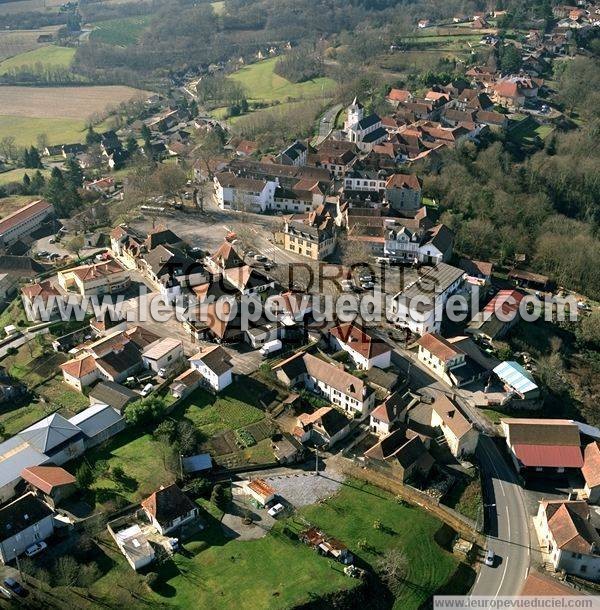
(459, 523)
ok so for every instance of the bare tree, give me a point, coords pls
(392, 566)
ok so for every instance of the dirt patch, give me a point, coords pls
(63, 102)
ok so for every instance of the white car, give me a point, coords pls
(36, 548)
(367, 285)
(276, 510)
(147, 389)
(162, 372)
(260, 258)
(489, 558)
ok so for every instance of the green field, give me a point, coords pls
(277, 571)
(16, 175)
(120, 32)
(25, 130)
(46, 57)
(349, 516)
(262, 84)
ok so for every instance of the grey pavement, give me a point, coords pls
(305, 488)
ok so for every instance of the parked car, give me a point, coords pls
(276, 510)
(147, 389)
(367, 285)
(15, 587)
(490, 558)
(260, 258)
(162, 372)
(6, 592)
(365, 278)
(347, 285)
(36, 548)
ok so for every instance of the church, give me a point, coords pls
(364, 131)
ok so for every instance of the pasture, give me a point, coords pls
(60, 113)
(120, 32)
(47, 57)
(262, 84)
(14, 42)
(15, 175)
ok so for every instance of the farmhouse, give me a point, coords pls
(214, 365)
(53, 483)
(325, 427)
(460, 434)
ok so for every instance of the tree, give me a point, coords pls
(75, 245)
(392, 567)
(147, 137)
(73, 174)
(35, 160)
(42, 141)
(131, 146)
(55, 187)
(187, 437)
(84, 476)
(170, 180)
(510, 59)
(165, 431)
(3, 435)
(26, 184)
(8, 148)
(589, 330)
(143, 411)
(220, 496)
(66, 571)
(91, 137)
(37, 183)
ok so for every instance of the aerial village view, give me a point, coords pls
(299, 304)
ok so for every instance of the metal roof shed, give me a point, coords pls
(513, 375)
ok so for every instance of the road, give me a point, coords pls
(327, 122)
(507, 524)
(506, 520)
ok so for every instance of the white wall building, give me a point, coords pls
(215, 366)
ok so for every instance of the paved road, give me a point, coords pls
(507, 523)
(327, 122)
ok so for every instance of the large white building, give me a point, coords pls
(24, 220)
(420, 307)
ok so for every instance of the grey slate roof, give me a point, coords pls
(21, 514)
(49, 433)
(113, 394)
(93, 420)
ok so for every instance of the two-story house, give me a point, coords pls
(364, 350)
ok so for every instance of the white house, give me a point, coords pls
(23, 522)
(215, 366)
(440, 356)
(341, 388)
(461, 436)
(569, 537)
(162, 353)
(364, 350)
(234, 192)
(135, 546)
(420, 307)
(169, 508)
(96, 279)
(390, 411)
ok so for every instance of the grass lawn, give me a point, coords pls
(234, 408)
(277, 572)
(15, 311)
(350, 515)
(140, 456)
(120, 32)
(48, 57)
(262, 84)
(16, 175)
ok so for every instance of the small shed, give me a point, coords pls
(197, 463)
(261, 491)
(516, 379)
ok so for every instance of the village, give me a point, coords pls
(202, 398)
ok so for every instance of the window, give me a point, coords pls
(583, 569)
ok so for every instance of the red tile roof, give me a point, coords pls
(591, 464)
(537, 584)
(359, 340)
(439, 347)
(399, 95)
(45, 478)
(79, 367)
(506, 302)
(403, 181)
(549, 456)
